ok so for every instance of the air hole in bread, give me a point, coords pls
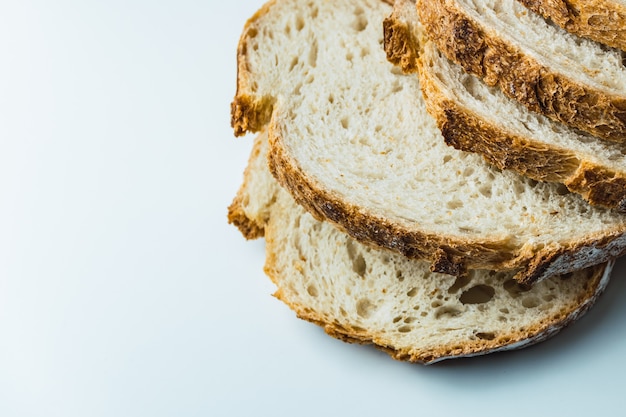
(299, 23)
(478, 294)
(485, 190)
(531, 302)
(293, 64)
(447, 312)
(365, 308)
(331, 99)
(514, 288)
(409, 320)
(358, 262)
(486, 335)
(454, 204)
(447, 158)
(548, 297)
(312, 290)
(412, 292)
(345, 123)
(399, 275)
(405, 329)
(360, 21)
(313, 54)
(349, 56)
(459, 283)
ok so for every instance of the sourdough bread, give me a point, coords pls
(603, 21)
(363, 295)
(565, 77)
(477, 118)
(351, 139)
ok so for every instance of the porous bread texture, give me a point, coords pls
(603, 21)
(359, 294)
(351, 139)
(565, 77)
(477, 118)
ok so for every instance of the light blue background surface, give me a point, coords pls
(123, 292)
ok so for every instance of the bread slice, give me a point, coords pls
(552, 72)
(351, 139)
(603, 21)
(359, 294)
(477, 118)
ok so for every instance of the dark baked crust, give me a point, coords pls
(483, 53)
(603, 21)
(401, 48)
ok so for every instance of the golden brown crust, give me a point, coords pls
(249, 113)
(485, 54)
(401, 49)
(249, 227)
(603, 21)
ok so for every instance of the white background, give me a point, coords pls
(124, 292)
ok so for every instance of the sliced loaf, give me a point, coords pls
(603, 21)
(359, 294)
(477, 118)
(552, 72)
(351, 139)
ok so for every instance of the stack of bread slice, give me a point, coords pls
(379, 231)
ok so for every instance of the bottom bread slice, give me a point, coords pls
(364, 295)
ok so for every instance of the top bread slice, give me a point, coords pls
(567, 78)
(363, 295)
(351, 139)
(477, 118)
(603, 21)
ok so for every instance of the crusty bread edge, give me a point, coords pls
(251, 227)
(448, 255)
(598, 281)
(603, 21)
(483, 53)
(248, 112)
(405, 47)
